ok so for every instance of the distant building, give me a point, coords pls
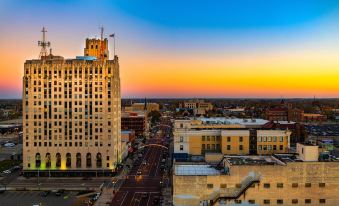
(196, 137)
(134, 121)
(298, 131)
(147, 107)
(128, 136)
(199, 107)
(307, 117)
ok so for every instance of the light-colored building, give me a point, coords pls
(199, 107)
(256, 180)
(196, 137)
(147, 107)
(308, 152)
(71, 113)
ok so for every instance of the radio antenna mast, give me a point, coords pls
(43, 44)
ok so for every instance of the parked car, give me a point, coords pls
(59, 192)
(9, 144)
(45, 193)
(7, 171)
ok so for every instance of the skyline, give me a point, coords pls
(235, 50)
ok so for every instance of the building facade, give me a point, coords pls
(134, 121)
(71, 113)
(235, 136)
(256, 180)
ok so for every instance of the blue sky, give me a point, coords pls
(177, 36)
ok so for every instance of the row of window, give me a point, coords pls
(294, 185)
(268, 185)
(281, 201)
(210, 138)
(270, 147)
(67, 144)
(48, 162)
(270, 139)
(68, 71)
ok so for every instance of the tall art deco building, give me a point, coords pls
(71, 113)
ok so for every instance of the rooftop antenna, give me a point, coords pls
(102, 32)
(101, 42)
(43, 44)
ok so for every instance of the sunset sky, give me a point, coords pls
(192, 48)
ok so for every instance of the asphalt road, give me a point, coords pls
(144, 189)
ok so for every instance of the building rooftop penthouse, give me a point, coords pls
(195, 169)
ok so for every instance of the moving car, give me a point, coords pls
(139, 172)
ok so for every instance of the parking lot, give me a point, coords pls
(29, 198)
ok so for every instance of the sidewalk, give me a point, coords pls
(107, 195)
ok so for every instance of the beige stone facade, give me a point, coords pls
(296, 183)
(71, 114)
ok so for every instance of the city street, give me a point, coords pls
(145, 180)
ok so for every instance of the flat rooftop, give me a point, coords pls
(322, 130)
(252, 160)
(195, 169)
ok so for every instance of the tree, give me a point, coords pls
(154, 116)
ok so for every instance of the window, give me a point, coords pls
(228, 147)
(267, 202)
(210, 186)
(294, 184)
(281, 139)
(280, 201)
(259, 147)
(321, 184)
(280, 185)
(307, 184)
(237, 201)
(251, 201)
(241, 139)
(294, 201)
(240, 147)
(181, 147)
(259, 139)
(322, 201)
(269, 139)
(267, 185)
(228, 139)
(307, 201)
(203, 138)
(281, 147)
(223, 185)
(203, 146)
(181, 139)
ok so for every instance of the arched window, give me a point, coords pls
(37, 160)
(58, 160)
(78, 162)
(88, 160)
(48, 160)
(99, 160)
(68, 160)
